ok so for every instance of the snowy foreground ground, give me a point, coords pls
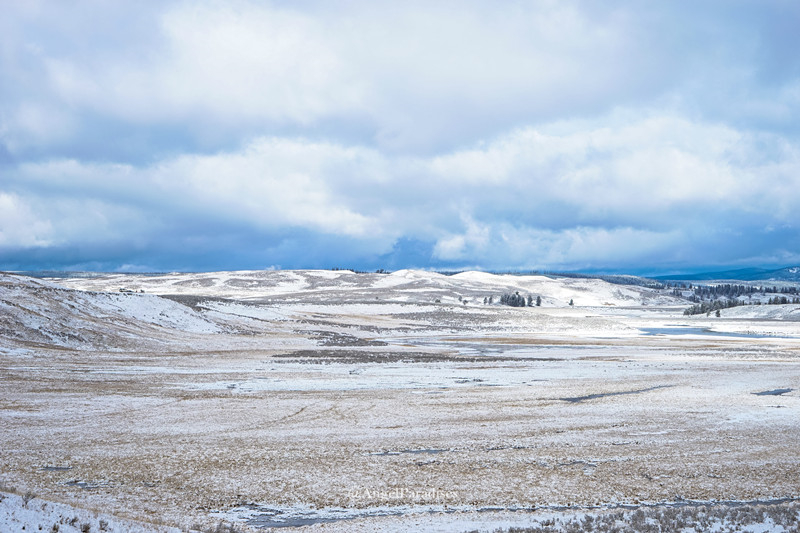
(333, 401)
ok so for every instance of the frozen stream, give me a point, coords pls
(266, 516)
(686, 330)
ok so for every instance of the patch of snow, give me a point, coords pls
(27, 513)
(770, 312)
(154, 310)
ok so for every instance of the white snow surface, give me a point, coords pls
(445, 518)
(20, 513)
(764, 312)
(402, 285)
(38, 310)
(236, 373)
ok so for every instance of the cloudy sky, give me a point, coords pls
(609, 136)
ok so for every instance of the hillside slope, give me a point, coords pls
(413, 286)
(39, 311)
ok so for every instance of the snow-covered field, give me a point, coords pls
(340, 401)
(26, 512)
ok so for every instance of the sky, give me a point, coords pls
(614, 136)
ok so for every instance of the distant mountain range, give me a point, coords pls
(791, 274)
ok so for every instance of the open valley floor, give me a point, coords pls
(337, 401)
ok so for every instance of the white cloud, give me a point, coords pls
(565, 193)
(269, 184)
(508, 246)
(217, 63)
(275, 182)
(566, 127)
(418, 75)
(33, 122)
(20, 226)
(471, 244)
(638, 168)
(32, 221)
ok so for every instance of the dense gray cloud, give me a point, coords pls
(561, 135)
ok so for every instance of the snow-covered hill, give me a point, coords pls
(764, 312)
(400, 286)
(40, 311)
(109, 311)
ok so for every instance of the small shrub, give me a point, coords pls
(85, 528)
(223, 527)
(28, 496)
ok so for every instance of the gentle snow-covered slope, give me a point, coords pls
(559, 291)
(771, 312)
(39, 311)
(403, 285)
(18, 513)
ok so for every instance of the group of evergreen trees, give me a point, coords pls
(356, 271)
(517, 300)
(707, 307)
(716, 305)
(730, 291)
(726, 291)
(782, 300)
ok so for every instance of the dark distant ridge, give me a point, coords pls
(791, 274)
(79, 273)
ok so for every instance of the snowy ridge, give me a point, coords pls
(41, 312)
(413, 286)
